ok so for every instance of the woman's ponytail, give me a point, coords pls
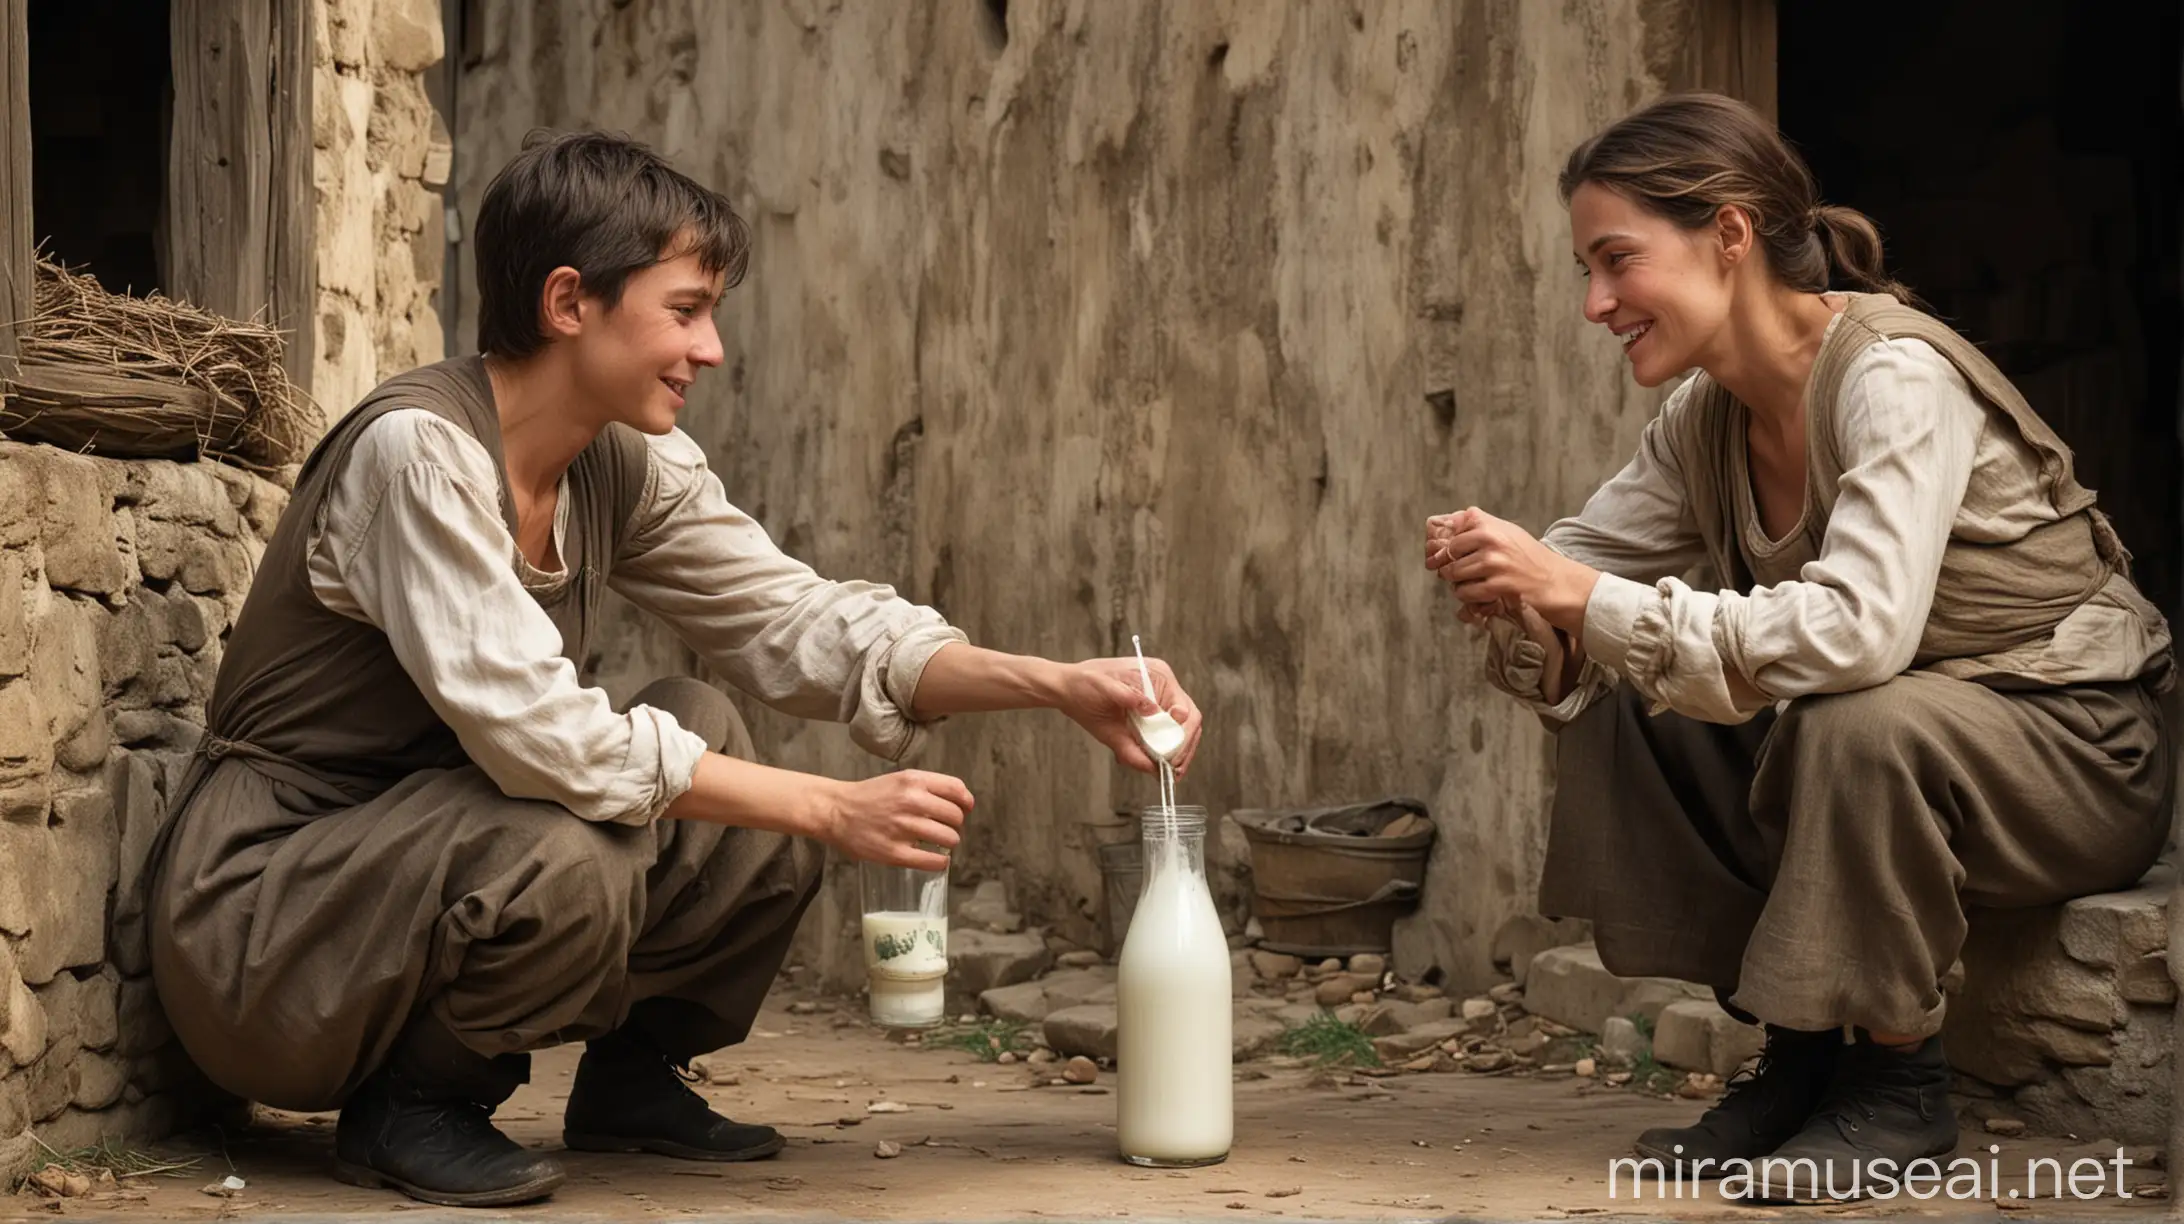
(1853, 246)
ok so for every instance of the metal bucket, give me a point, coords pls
(1332, 881)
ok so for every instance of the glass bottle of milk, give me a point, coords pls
(1175, 1103)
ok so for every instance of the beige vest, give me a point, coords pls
(1996, 606)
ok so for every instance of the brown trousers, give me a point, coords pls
(290, 964)
(1814, 868)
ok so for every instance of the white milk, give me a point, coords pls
(1175, 1103)
(906, 960)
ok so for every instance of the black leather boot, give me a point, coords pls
(423, 1124)
(631, 1097)
(1759, 1112)
(1884, 1109)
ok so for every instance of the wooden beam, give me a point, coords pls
(17, 249)
(1732, 51)
(220, 159)
(294, 262)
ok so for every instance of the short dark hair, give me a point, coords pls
(597, 202)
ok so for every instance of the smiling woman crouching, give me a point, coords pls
(1919, 678)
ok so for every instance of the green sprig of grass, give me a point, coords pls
(985, 1040)
(1329, 1042)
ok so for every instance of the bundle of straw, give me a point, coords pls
(151, 378)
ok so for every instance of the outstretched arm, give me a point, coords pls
(1097, 694)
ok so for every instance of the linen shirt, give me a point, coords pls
(1926, 460)
(412, 540)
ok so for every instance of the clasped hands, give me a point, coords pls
(1498, 570)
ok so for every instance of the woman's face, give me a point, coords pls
(1663, 290)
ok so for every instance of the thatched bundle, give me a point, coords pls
(150, 378)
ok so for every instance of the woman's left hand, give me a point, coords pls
(1100, 695)
(1491, 561)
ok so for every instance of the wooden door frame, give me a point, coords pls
(1732, 51)
(16, 250)
(240, 198)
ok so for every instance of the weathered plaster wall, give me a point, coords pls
(118, 583)
(1173, 319)
(381, 158)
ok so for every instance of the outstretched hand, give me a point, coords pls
(1100, 695)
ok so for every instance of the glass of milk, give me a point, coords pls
(1175, 1105)
(905, 944)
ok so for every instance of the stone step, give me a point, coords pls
(1570, 986)
(1697, 1035)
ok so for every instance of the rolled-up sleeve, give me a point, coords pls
(1517, 665)
(849, 652)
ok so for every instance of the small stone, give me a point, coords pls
(1506, 992)
(887, 1150)
(1620, 1041)
(1478, 1012)
(1275, 966)
(1081, 959)
(1584, 1068)
(1698, 1085)
(1023, 1003)
(1338, 989)
(2004, 1126)
(1616, 1079)
(1488, 1060)
(965, 1018)
(1418, 992)
(803, 1008)
(978, 961)
(1330, 965)
(1251, 1035)
(1413, 1042)
(1363, 997)
(57, 1182)
(1424, 1062)
(1527, 1045)
(1377, 1022)
(1080, 1070)
(1371, 964)
(1007, 1058)
(886, 1107)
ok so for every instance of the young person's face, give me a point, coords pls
(1663, 290)
(639, 358)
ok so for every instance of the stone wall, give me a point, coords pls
(1082, 319)
(2065, 1019)
(118, 582)
(382, 156)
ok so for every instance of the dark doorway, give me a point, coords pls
(2022, 158)
(101, 97)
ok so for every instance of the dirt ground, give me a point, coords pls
(979, 1142)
